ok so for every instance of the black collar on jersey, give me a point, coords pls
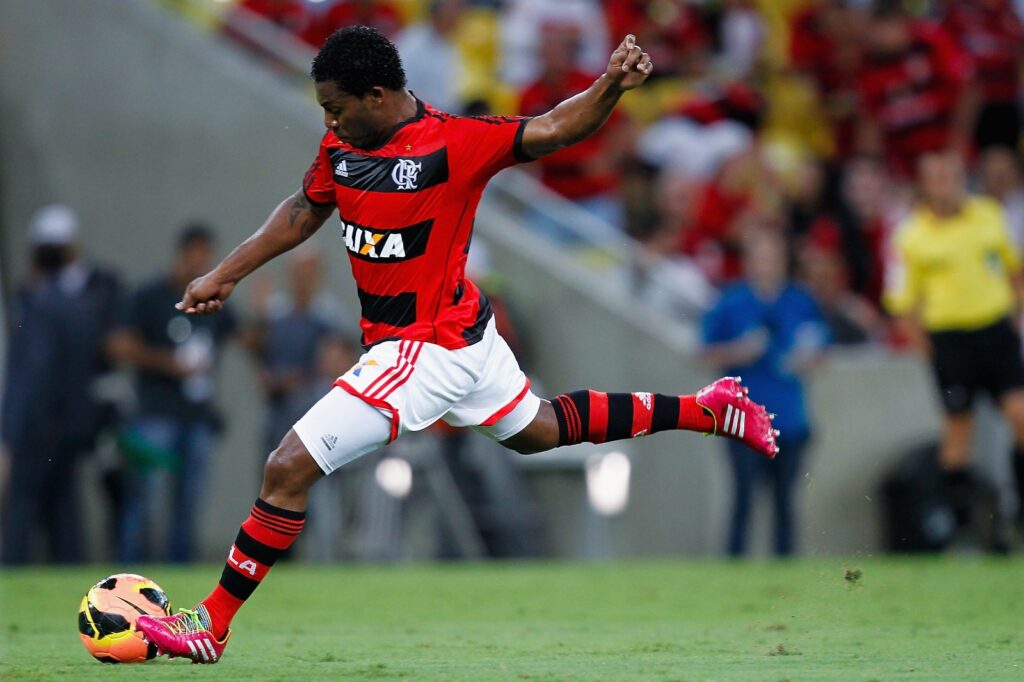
(421, 109)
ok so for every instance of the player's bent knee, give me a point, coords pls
(541, 434)
(290, 469)
(522, 447)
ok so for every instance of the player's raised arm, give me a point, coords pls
(581, 116)
(291, 223)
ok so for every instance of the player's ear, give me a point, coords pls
(375, 96)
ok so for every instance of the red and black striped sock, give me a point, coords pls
(263, 537)
(595, 417)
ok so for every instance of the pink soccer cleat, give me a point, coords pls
(185, 635)
(738, 417)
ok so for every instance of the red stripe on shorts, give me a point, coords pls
(402, 377)
(504, 412)
(389, 371)
(373, 402)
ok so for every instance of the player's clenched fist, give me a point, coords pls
(205, 295)
(629, 65)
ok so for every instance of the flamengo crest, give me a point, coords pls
(404, 173)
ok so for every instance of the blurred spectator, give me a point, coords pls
(671, 31)
(59, 320)
(1002, 178)
(710, 151)
(725, 208)
(587, 172)
(170, 437)
(808, 198)
(850, 318)
(868, 208)
(914, 88)
(848, 225)
(742, 35)
(290, 331)
(992, 33)
(825, 44)
(293, 16)
(432, 64)
(695, 142)
(770, 331)
(522, 31)
(380, 14)
(956, 288)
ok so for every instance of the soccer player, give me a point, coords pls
(405, 180)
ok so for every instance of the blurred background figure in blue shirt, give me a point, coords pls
(767, 329)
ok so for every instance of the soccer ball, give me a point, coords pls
(107, 616)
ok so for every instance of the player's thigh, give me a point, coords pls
(341, 428)
(500, 404)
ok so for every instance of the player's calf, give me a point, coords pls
(722, 409)
(273, 525)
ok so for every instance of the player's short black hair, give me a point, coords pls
(358, 58)
(195, 233)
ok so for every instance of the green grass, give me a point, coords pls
(810, 620)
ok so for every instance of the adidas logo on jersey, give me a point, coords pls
(341, 169)
(329, 440)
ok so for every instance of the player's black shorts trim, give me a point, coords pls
(966, 362)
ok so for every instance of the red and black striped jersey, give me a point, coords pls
(407, 211)
(912, 95)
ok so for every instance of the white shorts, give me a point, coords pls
(413, 384)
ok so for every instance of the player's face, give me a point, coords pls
(941, 178)
(353, 119)
(765, 260)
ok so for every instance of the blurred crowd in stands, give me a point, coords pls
(775, 145)
(803, 117)
(108, 373)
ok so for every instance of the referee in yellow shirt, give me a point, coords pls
(956, 290)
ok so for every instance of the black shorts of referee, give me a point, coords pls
(967, 362)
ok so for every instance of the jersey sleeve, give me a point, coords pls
(1008, 251)
(480, 146)
(318, 184)
(903, 278)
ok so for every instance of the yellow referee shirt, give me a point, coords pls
(957, 269)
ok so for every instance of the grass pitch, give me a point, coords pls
(808, 620)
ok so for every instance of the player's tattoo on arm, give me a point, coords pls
(305, 217)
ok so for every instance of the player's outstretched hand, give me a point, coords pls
(205, 295)
(629, 65)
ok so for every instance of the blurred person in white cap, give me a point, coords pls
(59, 319)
